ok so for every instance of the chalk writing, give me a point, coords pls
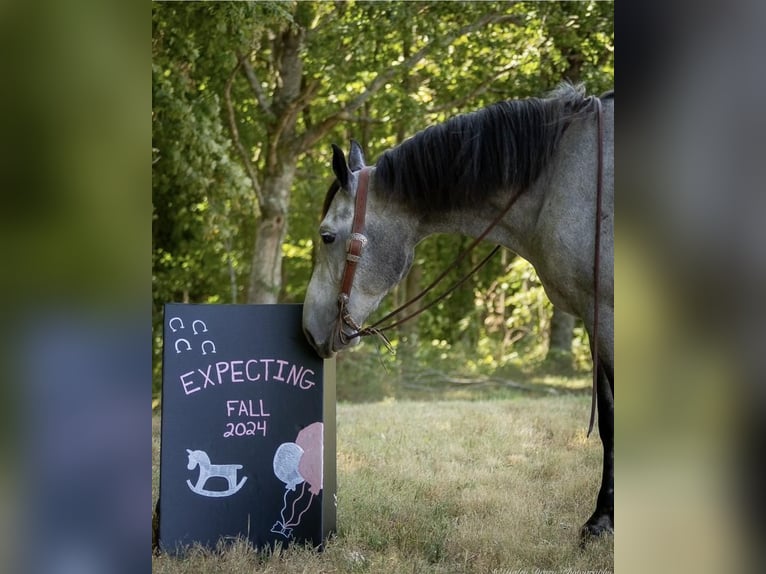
(248, 428)
(245, 408)
(252, 370)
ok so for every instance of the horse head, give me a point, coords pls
(388, 251)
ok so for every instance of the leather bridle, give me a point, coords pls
(358, 241)
(354, 250)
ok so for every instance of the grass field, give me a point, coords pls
(446, 486)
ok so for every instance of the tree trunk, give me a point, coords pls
(281, 162)
(271, 230)
(560, 338)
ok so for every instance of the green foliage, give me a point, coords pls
(201, 197)
(205, 207)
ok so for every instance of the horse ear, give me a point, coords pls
(188, 451)
(339, 166)
(355, 156)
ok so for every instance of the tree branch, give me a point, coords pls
(236, 139)
(255, 85)
(290, 113)
(310, 137)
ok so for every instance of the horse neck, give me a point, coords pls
(516, 230)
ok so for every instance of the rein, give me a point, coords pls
(597, 260)
(357, 242)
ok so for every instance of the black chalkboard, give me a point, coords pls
(248, 428)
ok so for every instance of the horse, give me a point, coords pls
(528, 174)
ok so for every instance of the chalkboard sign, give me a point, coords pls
(248, 428)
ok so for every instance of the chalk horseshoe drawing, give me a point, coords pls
(211, 344)
(194, 328)
(170, 323)
(207, 470)
(188, 345)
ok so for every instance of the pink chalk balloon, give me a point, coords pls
(310, 466)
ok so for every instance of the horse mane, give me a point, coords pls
(472, 156)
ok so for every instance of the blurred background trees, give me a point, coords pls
(248, 97)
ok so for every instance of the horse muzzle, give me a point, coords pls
(325, 349)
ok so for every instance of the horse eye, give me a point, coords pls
(327, 237)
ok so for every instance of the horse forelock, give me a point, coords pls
(472, 156)
(331, 192)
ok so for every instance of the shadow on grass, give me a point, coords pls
(367, 374)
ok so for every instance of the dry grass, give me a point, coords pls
(447, 486)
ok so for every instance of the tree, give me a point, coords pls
(560, 338)
(290, 89)
(248, 96)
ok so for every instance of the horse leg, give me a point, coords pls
(156, 529)
(602, 519)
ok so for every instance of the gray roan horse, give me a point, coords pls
(540, 154)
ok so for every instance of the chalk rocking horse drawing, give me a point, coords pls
(207, 471)
(535, 176)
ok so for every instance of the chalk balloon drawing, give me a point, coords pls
(286, 462)
(207, 470)
(310, 465)
(298, 463)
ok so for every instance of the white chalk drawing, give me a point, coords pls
(299, 463)
(188, 345)
(286, 461)
(198, 327)
(207, 470)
